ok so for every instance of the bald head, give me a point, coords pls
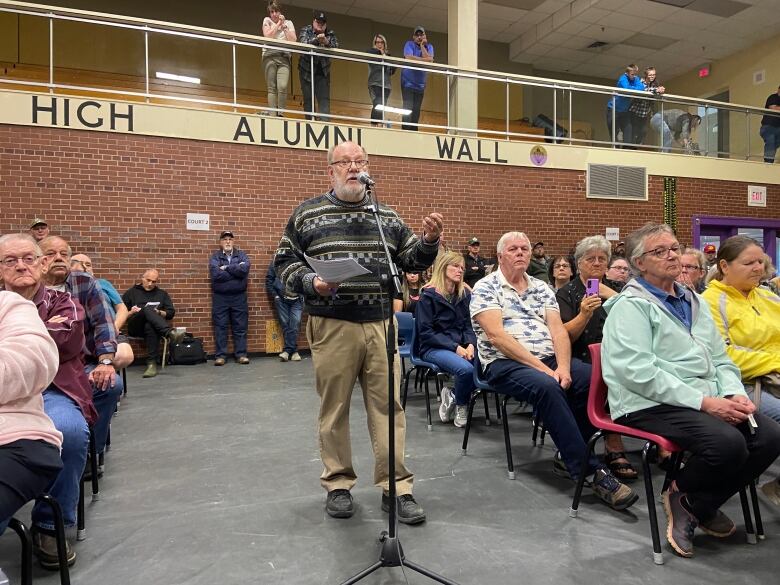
(81, 262)
(150, 279)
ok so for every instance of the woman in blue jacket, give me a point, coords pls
(444, 332)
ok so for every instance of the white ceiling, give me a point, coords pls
(554, 34)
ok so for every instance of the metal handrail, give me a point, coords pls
(147, 26)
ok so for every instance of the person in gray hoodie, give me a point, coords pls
(668, 373)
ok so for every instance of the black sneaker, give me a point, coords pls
(616, 495)
(680, 524)
(560, 469)
(719, 526)
(339, 504)
(408, 510)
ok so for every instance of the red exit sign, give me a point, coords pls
(704, 71)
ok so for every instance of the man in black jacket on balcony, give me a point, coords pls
(318, 34)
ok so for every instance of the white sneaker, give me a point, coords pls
(284, 356)
(462, 416)
(295, 357)
(772, 491)
(447, 405)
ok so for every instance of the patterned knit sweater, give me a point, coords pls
(327, 228)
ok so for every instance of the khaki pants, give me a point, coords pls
(277, 78)
(344, 352)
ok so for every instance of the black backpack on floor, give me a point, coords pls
(188, 352)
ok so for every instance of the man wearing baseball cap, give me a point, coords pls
(39, 229)
(229, 273)
(474, 263)
(711, 253)
(412, 80)
(537, 267)
(315, 71)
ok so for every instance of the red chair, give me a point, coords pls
(599, 417)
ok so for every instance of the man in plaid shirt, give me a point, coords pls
(99, 331)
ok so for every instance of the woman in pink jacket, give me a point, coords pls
(29, 443)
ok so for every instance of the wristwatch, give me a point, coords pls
(106, 362)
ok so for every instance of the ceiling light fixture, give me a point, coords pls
(392, 110)
(174, 77)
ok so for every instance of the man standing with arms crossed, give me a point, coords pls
(347, 322)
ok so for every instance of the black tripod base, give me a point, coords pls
(392, 555)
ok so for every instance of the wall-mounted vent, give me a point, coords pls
(597, 45)
(617, 182)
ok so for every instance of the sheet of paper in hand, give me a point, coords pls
(336, 271)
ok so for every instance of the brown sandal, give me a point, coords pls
(623, 470)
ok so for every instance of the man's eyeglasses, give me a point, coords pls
(556, 266)
(11, 261)
(345, 164)
(663, 251)
(690, 267)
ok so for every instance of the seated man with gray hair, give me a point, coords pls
(525, 352)
(150, 309)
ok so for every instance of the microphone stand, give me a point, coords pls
(391, 554)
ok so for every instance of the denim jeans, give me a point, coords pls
(659, 125)
(232, 309)
(771, 136)
(105, 404)
(770, 405)
(69, 420)
(564, 412)
(461, 368)
(289, 313)
(622, 125)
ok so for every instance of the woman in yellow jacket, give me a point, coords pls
(748, 318)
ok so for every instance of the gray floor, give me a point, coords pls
(213, 478)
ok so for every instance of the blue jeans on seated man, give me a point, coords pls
(232, 310)
(289, 313)
(461, 368)
(105, 403)
(69, 420)
(564, 412)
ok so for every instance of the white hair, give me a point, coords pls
(508, 237)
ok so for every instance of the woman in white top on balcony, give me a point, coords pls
(276, 63)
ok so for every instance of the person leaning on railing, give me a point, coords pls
(770, 127)
(681, 124)
(276, 63)
(412, 80)
(621, 104)
(379, 78)
(643, 109)
(748, 318)
(315, 71)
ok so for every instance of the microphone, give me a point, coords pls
(366, 179)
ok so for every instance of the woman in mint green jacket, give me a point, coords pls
(668, 373)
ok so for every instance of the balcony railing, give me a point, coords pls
(570, 112)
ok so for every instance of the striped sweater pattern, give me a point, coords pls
(327, 228)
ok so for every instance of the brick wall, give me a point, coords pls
(122, 200)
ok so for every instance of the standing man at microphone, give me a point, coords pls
(347, 321)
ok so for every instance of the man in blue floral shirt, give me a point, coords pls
(526, 353)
